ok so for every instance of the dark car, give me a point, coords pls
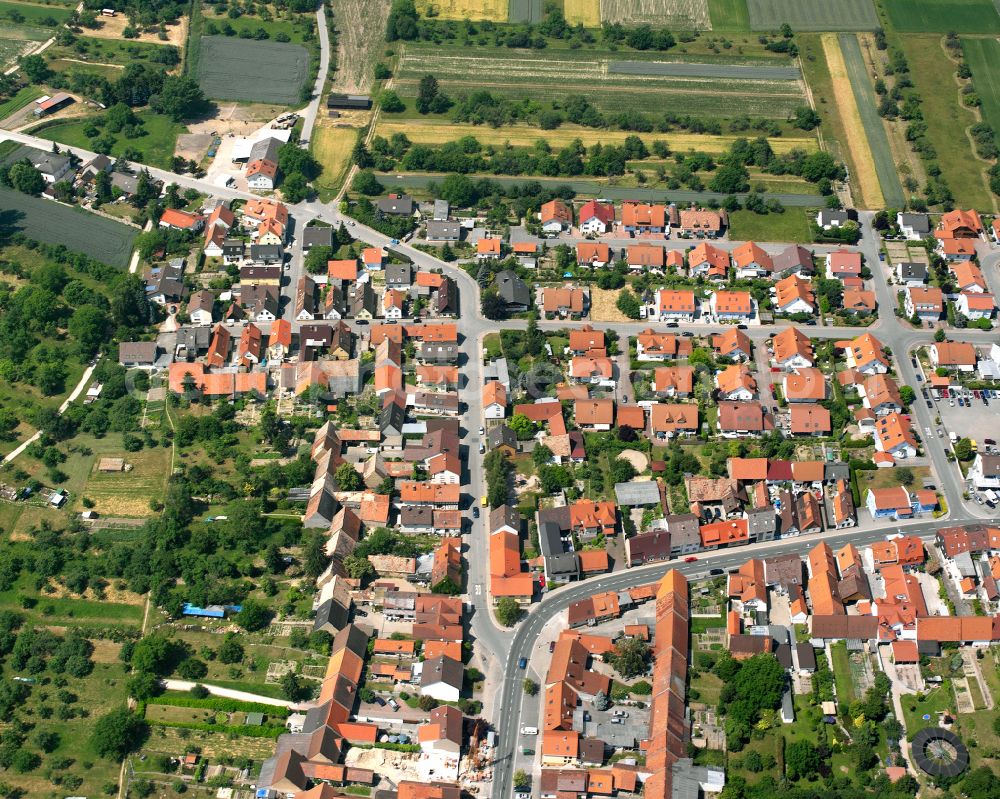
(363, 614)
(742, 327)
(379, 701)
(687, 334)
(552, 647)
(714, 572)
(475, 512)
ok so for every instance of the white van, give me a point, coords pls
(529, 730)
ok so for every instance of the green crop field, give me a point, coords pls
(18, 101)
(813, 15)
(729, 15)
(983, 57)
(942, 16)
(252, 71)
(878, 140)
(549, 78)
(46, 17)
(74, 228)
(156, 148)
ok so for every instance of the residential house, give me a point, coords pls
(734, 344)
(316, 236)
(513, 291)
(914, 226)
(894, 436)
(736, 383)
(596, 218)
(443, 231)
(396, 205)
(701, 223)
(793, 295)
(592, 254)
(494, 400)
(792, 349)
(841, 264)
(927, 302)
(911, 274)
(985, 472)
(138, 354)
(200, 307)
(645, 258)
(956, 250)
(976, 306)
(807, 384)
(392, 304)
(794, 260)
(958, 355)
(565, 302)
(399, 276)
(181, 220)
(653, 346)
(968, 277)
(751, 260)
(809, 419)
(667, 420)
(708, 261)
(865, 354)
(742, 419)
(555, 217)
(830, 218)
(441, 677)
(960, 224)
(643, 218)
(488, 249)
(676, 305)
(673, 381)
(594, 414)
(732, 306)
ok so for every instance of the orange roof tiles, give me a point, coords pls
(733, 302)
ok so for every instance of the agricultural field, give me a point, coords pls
(983, 56)
(127, 493)
(676, 14)
(606, 80)
(16, 102)
(583, 12)
(252, 71)
(524, 11)
(495, 10)
(854, 143)
(947, 119)
(813, 15)
(940, 16)
(729, 15)
(878, 140)
(74, 228)
(428, 132)
(16, 40)
(156, 148)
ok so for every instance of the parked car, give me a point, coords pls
(379, 701)
(715, 572)
(475, 513)
(522, 663)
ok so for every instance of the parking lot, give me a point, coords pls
(974, 419)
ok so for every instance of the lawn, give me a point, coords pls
(729, 15)
(933, 74)
(841, 667)
(983, 56)
(813, 15)
(156, 148)
(127, 493)
(332, 147)
(942, 16)
(252, 71)
(793, 225)
(930, 703)
(878, 139)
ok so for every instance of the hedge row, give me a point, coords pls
(266, 731)
(220, 703)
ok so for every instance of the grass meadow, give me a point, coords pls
(941, 16)
(983, 56)
(156, 148)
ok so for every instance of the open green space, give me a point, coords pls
(792, 225)
(729, 15)
(527, 75)
(43, 220)
(930, 703)
(841, 667)
(42, 16)
(878, 139)
(983, 57)
(17, 101)
(252, 71)
(156, 148)
(298, 28)
(115, 51)
(813, 15)
(933, 74)
(942, 16)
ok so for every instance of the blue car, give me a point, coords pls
(522, 663)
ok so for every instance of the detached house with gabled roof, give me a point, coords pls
(639, 218)
(960, 355)
(555, 217)
(927, 302)
(842, 264)
(737, 383)
(976, 306)
(596, 218)
(894, 436)
(792, 349)
(707, 260)
(865, 354)
(793, 295)
(592, 254)
(751, 260)
(734, 344)
(732, 306)
(676, 305)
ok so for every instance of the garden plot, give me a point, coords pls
(813, 15)
(43, 220)
(252, 71)
(683, 14)
(609, 84)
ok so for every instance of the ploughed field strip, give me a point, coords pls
(813, 15)
(677, 14)
(252, 71)
(611, 85)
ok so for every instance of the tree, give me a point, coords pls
(294, 187)
(940, 335)
(730, 179)
(292, 687)
(26, 178)
(522, 781)
(348, 478)
(963, 449)
(601, 701)
(292, 158)
(905, 476)
(427, 703)
(522, 426)
(628, 304)
(231, 650)
(802, 760)
(358, 568)
(153, 654)
(907, 394)
(102, 187)
(316, 259)
(541, 455)
(144, 685)
(47, 740)
(427, 91)
(179, 97)
(390, 102)
(89, 325)
(530, 686)
(805, 118)
(508, 611)
(117, 733)
(492, 305)
(35, 68)
(365, 182)
(253, 616)
(629, 657)
(315, 559)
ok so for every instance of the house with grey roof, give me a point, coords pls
(316, 236)
(443, 231)
(138, 354)
(637, 493)
(560, 562)
(398, 276)
(513, 291)
(685, 534)
(396, 205)
(266, 253)
(442, 677)
(913, 225)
